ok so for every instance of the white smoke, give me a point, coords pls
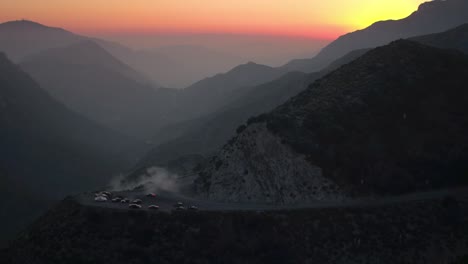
(155, 179)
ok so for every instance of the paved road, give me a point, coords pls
(167, 200)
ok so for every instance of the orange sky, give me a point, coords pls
(325, 19)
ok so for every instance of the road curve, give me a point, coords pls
(167, 200)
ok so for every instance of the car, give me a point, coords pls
(100, 199)
(178, 204)
(151, 195)
(107, 193)
(116, 200)
(125, 200)
(153, 207)
(104, 194)
(180, 208)
(137, 201)
(193, 208)
(134, 206)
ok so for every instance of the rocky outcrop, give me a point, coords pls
(257, 166)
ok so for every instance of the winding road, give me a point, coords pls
(167, 200)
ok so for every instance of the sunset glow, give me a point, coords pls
(310, 18)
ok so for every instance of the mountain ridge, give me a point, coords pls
(441, 15)
(304, 129)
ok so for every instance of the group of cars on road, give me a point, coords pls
(105, 196)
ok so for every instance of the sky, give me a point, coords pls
(316, 19)
(270, 32)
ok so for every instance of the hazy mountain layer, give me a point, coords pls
(47, 151)
(92, 82)
(19, 39)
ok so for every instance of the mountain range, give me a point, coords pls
(431, 17)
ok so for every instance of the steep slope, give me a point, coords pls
(431, 17)
(456, 38)
(47, 151)
(217, 91)
(21, 38)
(46, 144)
(92, 82)
(391, 121)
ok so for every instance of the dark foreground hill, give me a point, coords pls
(428, 231)
(392, 121)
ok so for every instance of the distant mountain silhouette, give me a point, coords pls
(431, 17)
(392, 121)
(456, 38)
(178, 66)
(47, 151)
(216, 91)
(89, 80)
(21, 38)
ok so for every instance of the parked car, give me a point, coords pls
(178, 204)
(134, 206)
(100, 199)
(180, 208)
(193, 208)
(125, 200)
(153, 207)
(137, 201)
(116, 200)
(152, 195)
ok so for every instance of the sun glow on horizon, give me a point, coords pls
(300, 18)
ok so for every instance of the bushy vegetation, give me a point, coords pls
(392, 121)
(398, 233)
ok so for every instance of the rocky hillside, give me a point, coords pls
(431, 231)
(392, 121)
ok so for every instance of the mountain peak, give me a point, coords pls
(249, 66)
(16, 24)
